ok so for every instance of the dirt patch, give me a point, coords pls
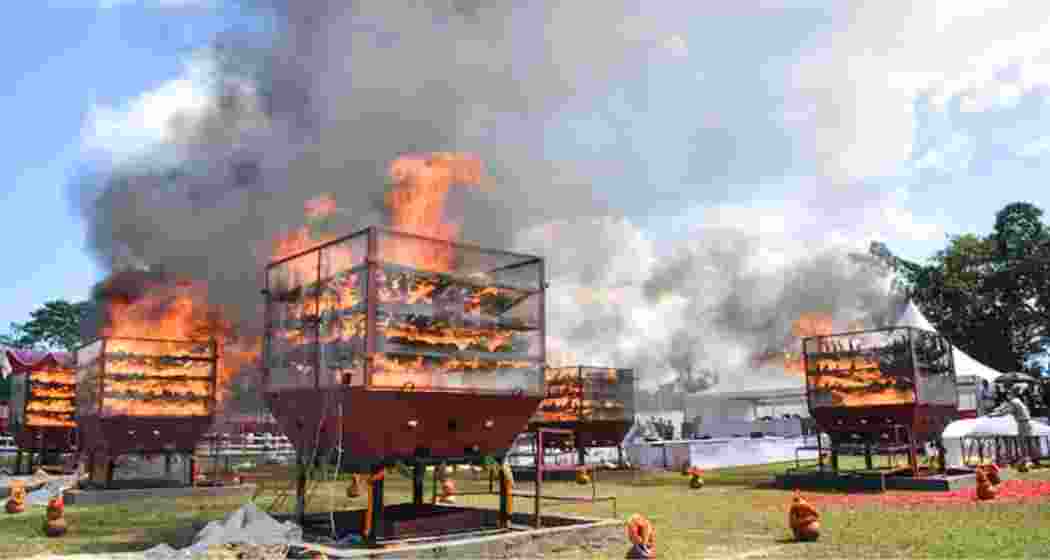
(1009, 491)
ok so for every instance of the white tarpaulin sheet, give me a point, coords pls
(247, 525)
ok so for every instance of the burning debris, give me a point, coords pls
(139, 398)
(587, 394)
(143, 309)
(474, 328)
(46, 385)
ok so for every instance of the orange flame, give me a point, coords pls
(139, 379)
(808, 324)
(417, 199)
(854, 382)
(813, 324)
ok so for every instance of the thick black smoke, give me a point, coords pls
(343, 89)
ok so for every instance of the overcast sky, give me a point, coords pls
(898, 121)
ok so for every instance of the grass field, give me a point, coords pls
(733, 516)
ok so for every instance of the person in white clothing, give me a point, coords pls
(1016, 407)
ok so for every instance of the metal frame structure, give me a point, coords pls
(885, 429)
(540, 467)
(587, 430)
(104, 439)
(371, 299)
(35, 440)
(404, 422)
(1003, 450)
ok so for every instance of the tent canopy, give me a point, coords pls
(908, 315)
(990, 426)
(21, 361)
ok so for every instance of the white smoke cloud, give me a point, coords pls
(711, 304)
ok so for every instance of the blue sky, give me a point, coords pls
(65, 57)
(942, 136)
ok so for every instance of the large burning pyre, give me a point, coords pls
(597, 404)
(882, 387)
(138, 398)
(414, 348)
(43, 386)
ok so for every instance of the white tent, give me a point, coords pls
(908, 315)
(990, 426)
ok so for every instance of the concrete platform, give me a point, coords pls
(559, 535)
(874, 482)
(105, 497)
(529, 475)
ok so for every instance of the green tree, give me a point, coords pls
(53, 326)
(990, 295)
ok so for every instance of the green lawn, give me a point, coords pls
(732, 516)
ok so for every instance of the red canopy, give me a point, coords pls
(23, 361)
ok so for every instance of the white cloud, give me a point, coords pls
(1035, 149)
(864, 78)
(153, 123)
(140, 124)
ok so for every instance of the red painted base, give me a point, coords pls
(383, 426)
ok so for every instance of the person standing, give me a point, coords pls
(1016, 407)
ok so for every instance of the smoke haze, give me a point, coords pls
(341, 91)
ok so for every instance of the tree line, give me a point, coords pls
(989, 295)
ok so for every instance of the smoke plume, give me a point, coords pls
(342, 89)
(705, 310)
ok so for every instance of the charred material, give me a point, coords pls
(887, 390)
(433, 351)
(142, 403)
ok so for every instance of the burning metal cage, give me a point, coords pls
(43, 387)
(597, 404)
(142, 404)
(891, 388)
(412, 348)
